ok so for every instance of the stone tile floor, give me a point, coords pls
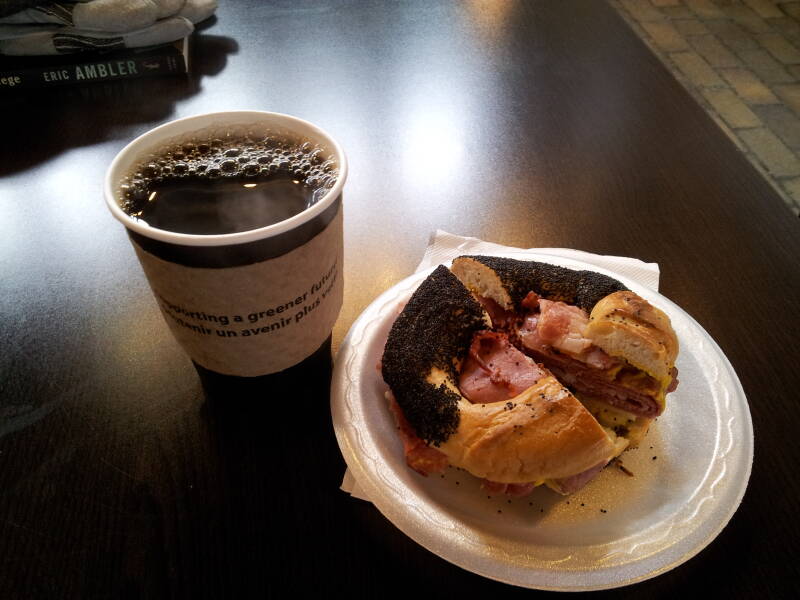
(741, 60)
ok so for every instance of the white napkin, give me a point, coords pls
(444, 247)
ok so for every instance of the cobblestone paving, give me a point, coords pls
(741, 60)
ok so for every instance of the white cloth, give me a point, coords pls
(66, 40)
(444, 247)
(100, 25)
(198, 10)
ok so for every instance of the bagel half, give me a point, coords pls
(426, 345)
(508, 281)
(544, 434)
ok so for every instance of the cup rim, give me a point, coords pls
(221, 239)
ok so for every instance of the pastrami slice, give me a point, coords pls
(495, 370)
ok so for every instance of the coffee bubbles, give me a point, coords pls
(226, 181)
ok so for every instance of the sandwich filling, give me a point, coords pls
(554, 334)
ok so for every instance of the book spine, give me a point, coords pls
(87, 71)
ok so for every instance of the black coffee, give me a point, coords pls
(227, 184)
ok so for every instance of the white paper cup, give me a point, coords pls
(244, 304)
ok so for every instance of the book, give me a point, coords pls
(25, 72)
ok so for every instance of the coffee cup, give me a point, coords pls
(251, 295)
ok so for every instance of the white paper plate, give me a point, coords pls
(674, 506)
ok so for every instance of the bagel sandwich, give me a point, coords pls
(466, 391)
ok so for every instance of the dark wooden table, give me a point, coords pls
(526, 123)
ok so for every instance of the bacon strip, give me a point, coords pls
(500, 317)
(419, 456)
(561, 326)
